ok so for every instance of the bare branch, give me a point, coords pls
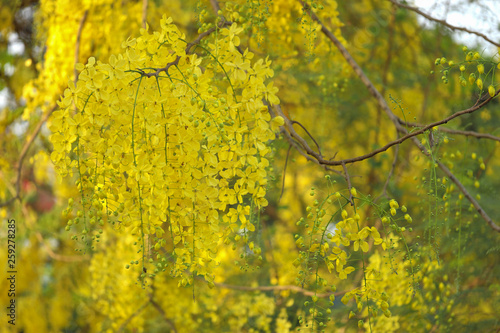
(391, 172)
(312, 138)
(399, 126)
(135, 314)
(163, 314)
(22, 156)
(458, 132)
(349, 186)
(397, 122)
(357, 69)
(78, 40)
(280, 288)
(215, 5)
(443, 22)
(165, 69)
(289, 137)
(284, 172)
(38, 127)
(470, 133)
(144, 13)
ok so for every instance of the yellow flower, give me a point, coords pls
(393, 204)
(491, 91)
(479, 83)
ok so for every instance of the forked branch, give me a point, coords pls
(280, 288)
(45, 117)
(443, 22)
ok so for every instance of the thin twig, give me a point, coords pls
(136, 313)
(280, 288)
(458, 132)
(215, 5)
(188, 50)
(305, 129)
(144, 13)
(38, 127)
(163, 314)
(398, 141)
(470, 133)
(389, 176)
(284, 172)
(22, 156)
(300, 150)
(443, 22)
(77, 44)
(60, 257)
(349, 186)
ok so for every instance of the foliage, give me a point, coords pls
(229, 167)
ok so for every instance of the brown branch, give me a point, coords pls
(144, 13)
(443, 22)
(22, 156)
(165, 69)
(280, 288)
(284, 172)
(78, 40)
(312, 138)
(470, 133)
(129, 319)
(398, 123)
(357, 69)
(458, 132)
(38, 127)
(349, 186)
(163, 314)
(391, 172)
(291, 140)
(215, 5)
(298, 148)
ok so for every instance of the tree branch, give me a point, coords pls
(280, 288)
(215, 5)
(389, 176)
(136, 313)
(163, 314)
(77, 44)
(458, 132)
(144, 13)
(38, 127)
(165, 69)
(349, 186)
(443, 22)
(22, 156)
(398, 123)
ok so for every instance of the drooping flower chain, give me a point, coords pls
(177, 158)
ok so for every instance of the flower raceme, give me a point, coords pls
(177, 158)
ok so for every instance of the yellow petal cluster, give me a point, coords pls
(178, 158)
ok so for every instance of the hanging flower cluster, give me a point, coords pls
(168, 145)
